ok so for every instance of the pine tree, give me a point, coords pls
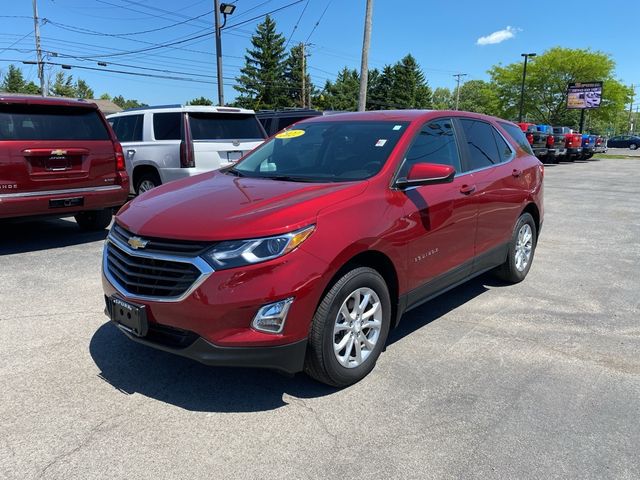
(200, 101)
(410, 89)
(14, 82)
(379, 96)
(342, 94)
(63, 86)
(293, 75)
(262, 82)
(82, 89)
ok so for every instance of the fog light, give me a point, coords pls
(270, 318)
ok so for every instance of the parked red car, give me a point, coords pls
(305, 253)
(59, 157)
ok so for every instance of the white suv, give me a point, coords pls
(170, 142)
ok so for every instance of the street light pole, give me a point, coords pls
(216, 14)
(524, 76)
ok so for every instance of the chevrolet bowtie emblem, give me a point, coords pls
(58, 153)
(137, 242)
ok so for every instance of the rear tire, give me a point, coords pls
(147, 181)
(521, 250)
(362, 332)
(92, 220)
(633, 146)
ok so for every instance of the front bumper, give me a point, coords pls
(285, 358)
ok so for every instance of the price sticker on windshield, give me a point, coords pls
(290, 134)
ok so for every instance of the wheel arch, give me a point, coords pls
(532, 209)
(142, 169)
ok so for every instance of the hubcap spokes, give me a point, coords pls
(145, 186)
(524, 245)
(357, 327)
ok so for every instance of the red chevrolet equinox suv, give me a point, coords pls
(59, 157)
(304, 254)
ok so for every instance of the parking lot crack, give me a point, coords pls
(316, 416)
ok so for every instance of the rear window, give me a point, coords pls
(518, 136)
(223, 126)
(51, 122)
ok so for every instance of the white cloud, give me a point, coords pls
(498, 37)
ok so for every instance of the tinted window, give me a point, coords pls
(504, 150)
(166, 126)
(220, 126)
(481, 144)
(518, 136)
(44, 122)
(129, 128)
(436, 143)
(324, 152)
(284, 122)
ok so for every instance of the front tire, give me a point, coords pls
(349, 328)
(92, 220)
(521, 249)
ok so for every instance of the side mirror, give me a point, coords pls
(427, 174)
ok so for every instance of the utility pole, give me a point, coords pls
(633, 93)
(303, 96)
(36, 29)
(524, 76)
(364, 65)
(458, 76)
(216, 16)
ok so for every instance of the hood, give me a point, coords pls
(214, 206)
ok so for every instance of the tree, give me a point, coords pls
(83, 90)
(341, 94)
(442, 99)
(63, 86)
(14, 82)
(125, 104)
(293, 75)
(477, 96)
(105, 96)
(545, 99)
(261, 83)
(200, 101)
(379, 91)
(409, 88)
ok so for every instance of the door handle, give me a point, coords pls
(467, 189)
(516, 173)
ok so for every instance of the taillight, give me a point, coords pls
(550, 140)
(530, 138)
(120, 165)
(187, 159)
(586, 141)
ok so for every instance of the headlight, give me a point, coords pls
(246, 252)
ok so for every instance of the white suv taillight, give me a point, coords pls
(187, 156)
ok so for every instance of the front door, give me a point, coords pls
(442, 217)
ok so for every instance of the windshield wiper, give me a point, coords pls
(290, 178)
(235, 172)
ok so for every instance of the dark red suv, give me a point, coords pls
(305, 253)
(59, 157)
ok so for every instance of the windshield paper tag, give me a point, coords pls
(381, 142)
(397, 127)
(290, 134)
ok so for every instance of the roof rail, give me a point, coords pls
(176, 105)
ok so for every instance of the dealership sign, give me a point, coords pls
(584, 95)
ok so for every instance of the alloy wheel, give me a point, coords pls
(146, 185)
(524, 245)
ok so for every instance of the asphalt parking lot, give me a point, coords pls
(537, 380)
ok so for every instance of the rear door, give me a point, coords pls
(442, 217)
(220, 139)
(53, 147)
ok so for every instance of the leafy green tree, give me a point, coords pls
(105, 96)
(442, 99)
(63, 86)
(293, 75)
(341, 94)
(409, 87)
(262, 83)
(14, 82)
(546, 87)
(200, 101)
(83, 90)
(125, 104)
(477, 96)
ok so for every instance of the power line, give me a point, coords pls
(263, 15)
(17, 41)
(318, 22)
(296, 25)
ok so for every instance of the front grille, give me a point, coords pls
(158, 245)
(149, 276)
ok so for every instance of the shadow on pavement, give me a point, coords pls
(20, 236)
(134, 368)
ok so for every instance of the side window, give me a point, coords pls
(436, 143)
(518, 136)
(166, 126)
(481, 143)
(128, 128)
(504, 150)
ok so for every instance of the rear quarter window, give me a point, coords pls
(128, 128)
(224, 126)
(51, 122)
(166, 126)
(518, 136)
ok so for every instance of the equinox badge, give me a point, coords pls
(137, 242)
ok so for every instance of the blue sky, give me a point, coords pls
(443, 36)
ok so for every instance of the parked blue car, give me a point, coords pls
(588, 145)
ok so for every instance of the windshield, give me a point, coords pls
(324, 152)
(224, 126)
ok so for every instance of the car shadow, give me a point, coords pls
(20, 236)
(134, 368)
